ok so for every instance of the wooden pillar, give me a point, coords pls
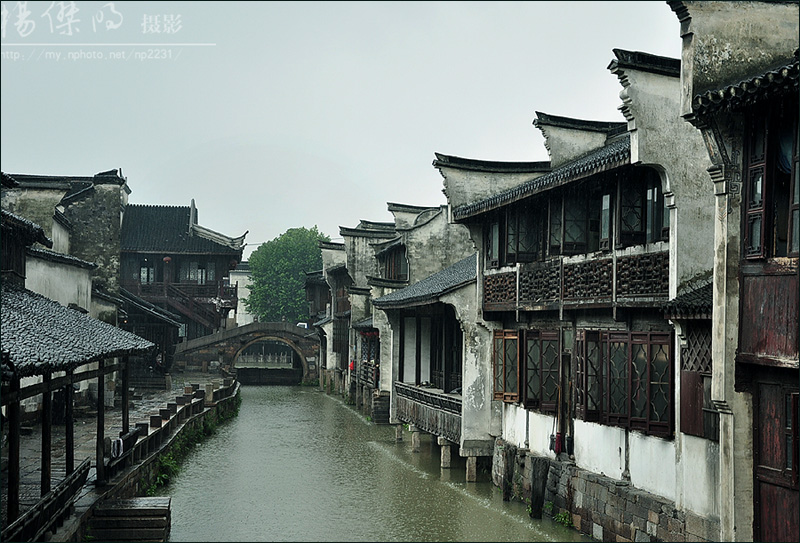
(126, 398)
(13, 454)
(47, 434)
(101, 423)
(414, 438)
(69, 427)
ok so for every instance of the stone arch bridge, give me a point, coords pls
(259, 353)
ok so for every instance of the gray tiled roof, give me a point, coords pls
(780, 80)
(20, 227)
(695, 303)
(53, 256)
(614, 154)
(40, 335)
(158, 228)
(430, 288)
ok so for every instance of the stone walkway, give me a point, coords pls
(85, 431)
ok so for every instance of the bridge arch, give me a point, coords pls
(227, 347)
(261, 339)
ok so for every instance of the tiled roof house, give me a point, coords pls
(171, 261)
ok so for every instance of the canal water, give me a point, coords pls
(299, 465)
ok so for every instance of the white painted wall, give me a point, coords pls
(425, 348)
(699, 475)
(652, 464)
(242, 279)
(63, 283)
(599, 448)
(409, 350)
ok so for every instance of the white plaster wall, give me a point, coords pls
(662, 139)
(331, 357)
(652, 464)
(450, 243)
(700, 466)
(60, 238)
(540, 427)
(463, 187)
(242, 279)
(409, 351)
(599, 448)
(564, 144)
(63, 283)
(532, 434)
(425, 348)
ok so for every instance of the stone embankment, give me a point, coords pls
(599, 506)
(160, 422)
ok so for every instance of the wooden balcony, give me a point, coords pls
(429, 409)
(640, 280)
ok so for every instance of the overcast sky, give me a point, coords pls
(278, 115)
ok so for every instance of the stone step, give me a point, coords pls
(135, 507)
(141, 534)
(128, 522)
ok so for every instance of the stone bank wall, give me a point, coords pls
(599, 506)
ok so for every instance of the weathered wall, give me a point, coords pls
(434, 235)
(96, 238)
(724, 42)
(476, 379)
(464, 187)
(662, 139)
(36, 205)
(60, 282)
(564, 144)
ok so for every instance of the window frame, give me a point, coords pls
(620, 345)
(500, 372)
(395, 264)
(537, 401)
(760, 158)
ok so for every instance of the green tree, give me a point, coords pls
(278, 268)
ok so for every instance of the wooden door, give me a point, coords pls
(776, 450)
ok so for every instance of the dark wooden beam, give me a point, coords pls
(13, 455)
(125, 396)
(69, 427)
(11, 396)
(47, 434)
(101, 427)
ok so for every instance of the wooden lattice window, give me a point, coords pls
(699, 417)
(505, 365)
(542, 356)
(772, 182)
(588, 375)
(625, 379)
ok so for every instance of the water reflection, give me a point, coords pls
(298, 465)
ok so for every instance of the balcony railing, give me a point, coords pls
(430, 410)
(192, 290)
(641, 279)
